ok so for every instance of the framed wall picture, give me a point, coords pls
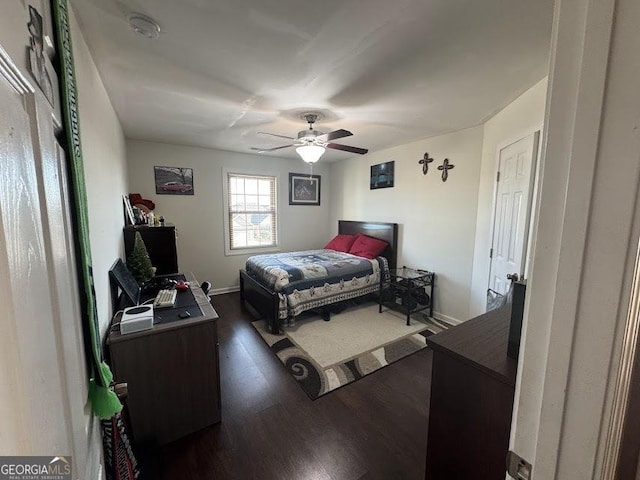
(173, 180)
(382, 175)
(304, 189)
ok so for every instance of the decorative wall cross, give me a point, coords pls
(445, 167)
(425, 161)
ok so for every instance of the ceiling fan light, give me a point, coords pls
(310, 153)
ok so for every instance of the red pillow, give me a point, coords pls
(341, 243)
(367, 247)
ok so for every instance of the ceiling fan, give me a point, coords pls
(311, 144)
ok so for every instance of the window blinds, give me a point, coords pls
(252, 211)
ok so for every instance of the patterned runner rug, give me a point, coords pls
(323, 356)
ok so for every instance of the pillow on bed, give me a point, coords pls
(367, 247)
(341, 243)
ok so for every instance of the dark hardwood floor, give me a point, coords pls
(374, 428)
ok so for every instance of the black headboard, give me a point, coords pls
(384, 231)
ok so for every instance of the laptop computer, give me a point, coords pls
(133, 292)
(136, 297)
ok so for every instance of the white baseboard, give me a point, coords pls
(222, 291)
(446, 319)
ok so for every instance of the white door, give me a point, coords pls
(42, 362)
(32, 399)
(512, 211)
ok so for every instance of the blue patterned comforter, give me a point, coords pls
(313, 278)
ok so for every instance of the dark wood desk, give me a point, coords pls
(472, 389)
(172, 372)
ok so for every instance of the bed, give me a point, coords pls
(279, 298)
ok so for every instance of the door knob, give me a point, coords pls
(513, 277)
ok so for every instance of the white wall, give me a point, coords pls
(104, 156)
(520, 118)
(437, 219)
(105, 167)
(14, 36)
(199, 217)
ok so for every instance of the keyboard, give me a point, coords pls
(165, 299)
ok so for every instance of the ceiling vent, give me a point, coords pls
(144, 25)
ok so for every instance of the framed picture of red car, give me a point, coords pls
(173, 180)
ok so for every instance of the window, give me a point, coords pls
(252, 211)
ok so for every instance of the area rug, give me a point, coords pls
(323, 356)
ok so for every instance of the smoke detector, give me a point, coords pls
(144, 25)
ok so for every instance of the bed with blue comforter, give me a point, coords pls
(314, 278)
(280, 286)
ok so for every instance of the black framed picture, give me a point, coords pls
(381, 175)
(304, 189)
(173, 180)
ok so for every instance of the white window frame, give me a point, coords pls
(228, 251)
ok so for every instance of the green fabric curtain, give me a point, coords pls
(103, 400)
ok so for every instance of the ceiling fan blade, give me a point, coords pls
(327, 137)
(347, 148)
(270, 149)
(275, 135)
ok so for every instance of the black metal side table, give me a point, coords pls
(407, 290)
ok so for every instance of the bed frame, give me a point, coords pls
(266, 302)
